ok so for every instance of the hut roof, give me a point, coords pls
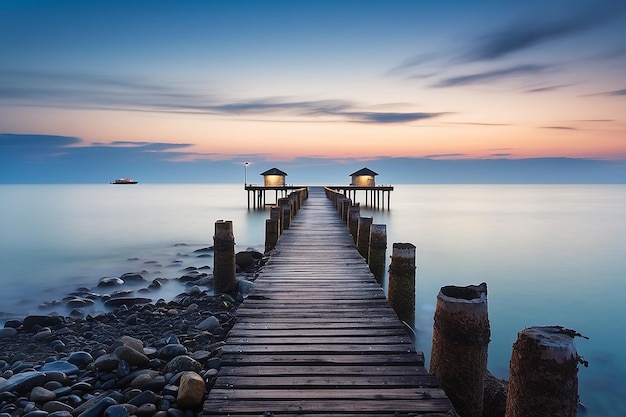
(363, 171)
(274, 171)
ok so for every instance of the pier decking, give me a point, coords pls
(316, 337)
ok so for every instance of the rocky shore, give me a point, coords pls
(141, 358)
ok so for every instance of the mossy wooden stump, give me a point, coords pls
(401, 290)
(543, 373)
(459, 348)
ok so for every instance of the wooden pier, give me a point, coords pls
(257, 194)
(374, 196)
(316, 336)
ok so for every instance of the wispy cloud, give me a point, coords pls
(445, 155)
(489, 76)
(69, 90)
(532, 32)
(559, 127)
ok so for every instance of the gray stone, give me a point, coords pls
(110, 282)
(132, 356)
(43, 334)
(23, 382)
(183, 363)
(97, 409)
(209, 324)
(7, 332)
(147, 409)
(41, 394)
(35, 413)
(60, 366)
(56, 406)
(116, 411)
(144, 398)
(133, 343)
(80, 358)
(107, 362)
(170, 351)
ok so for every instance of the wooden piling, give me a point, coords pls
(285, 212)
(353, 220)
(276, 214)
(378, 250)
(459, 347)
(272, 231)
(543, 377)
(401, 287)
(345, 206)
(224, 270)
(363, 236)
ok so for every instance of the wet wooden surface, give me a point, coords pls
(317, 337)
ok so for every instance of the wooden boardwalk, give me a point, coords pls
(316, 336)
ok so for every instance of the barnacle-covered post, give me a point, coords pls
(401, 286)
(459, 348)
(378, 250)
(543, 378)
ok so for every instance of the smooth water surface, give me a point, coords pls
(550, 254)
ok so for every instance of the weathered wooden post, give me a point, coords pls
(276, 213)
(401, 287)
(345, 206)
(363, 236)
(353, 220)
(543, 379)
(459, 349)
(224, 270)
(272, 231)
(378, 250)
(285, 213)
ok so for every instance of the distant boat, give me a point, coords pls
(124, 181)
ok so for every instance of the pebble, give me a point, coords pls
(41, 394)
(191, 390)
(7, 332)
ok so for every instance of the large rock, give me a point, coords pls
(133, 343)
(128, 301)
(210, 324)
(190, 391)
(131, 356)
(244, 259)
(23, 382)
(107, 362)
(41, 321)
(60, 366)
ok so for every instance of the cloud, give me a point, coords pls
(559, 127)
(547, 88)
(532, 32)
(621, 92)
(69, 90)
(444, 155)
(489, 76)
(386, 118)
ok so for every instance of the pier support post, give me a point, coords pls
(353, 220)
(276, 213)
(224, 270)
(285, 213)
(272, 231)
(543, 377)
(459, 349)
(363, 236)
(345, 206)
(401, 288)
(378, 250)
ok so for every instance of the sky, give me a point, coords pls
(190, 90)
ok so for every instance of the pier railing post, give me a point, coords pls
(378, 250)
(285, 213)
(353, 220)
(272, 231)
(543, 378)
(345, 206)
(459, 348)
(224, 270)
(401, 287)
(363, 236)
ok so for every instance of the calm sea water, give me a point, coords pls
(550, 254)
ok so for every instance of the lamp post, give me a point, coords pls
(245, 173)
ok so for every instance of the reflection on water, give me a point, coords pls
(550, 254)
